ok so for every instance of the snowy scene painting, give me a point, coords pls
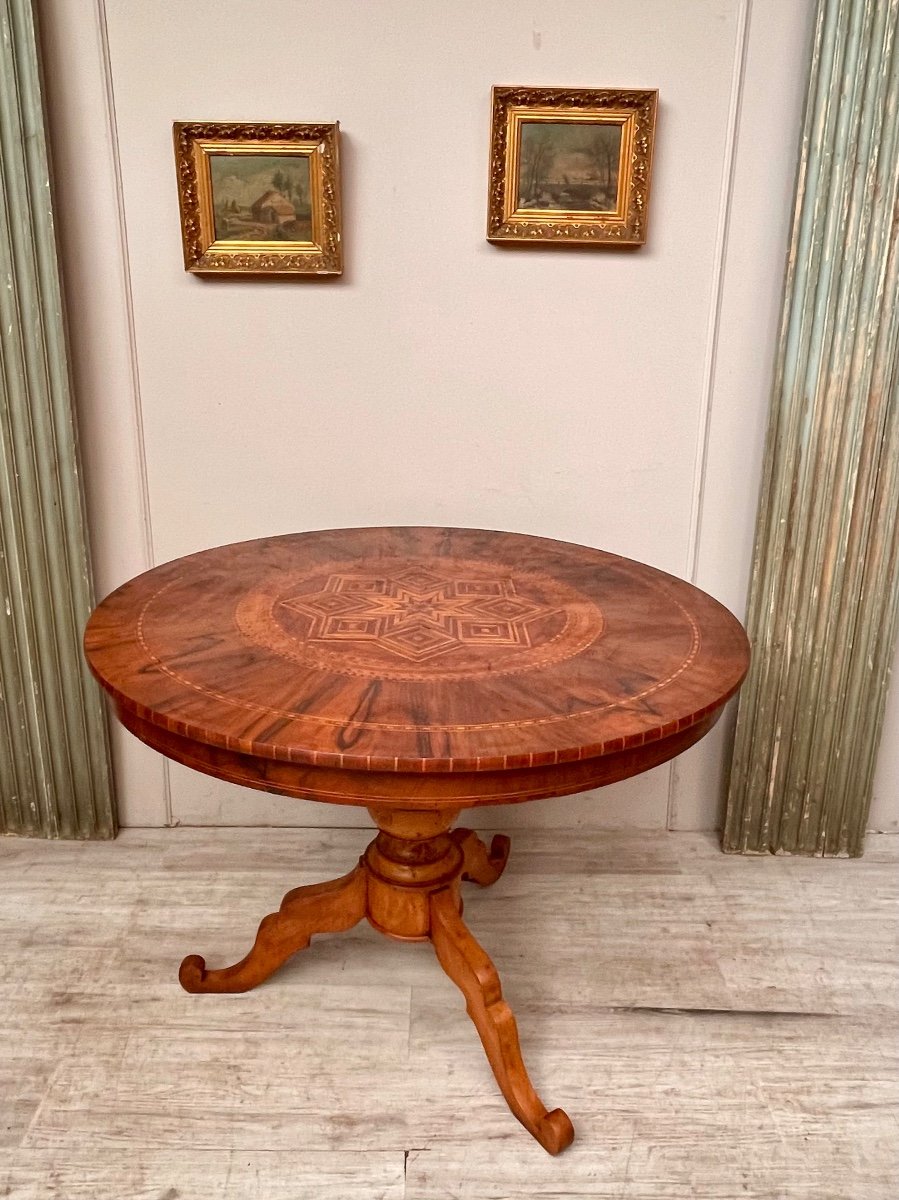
(569, 165)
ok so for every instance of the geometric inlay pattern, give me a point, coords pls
(401, 619)
(417, 614)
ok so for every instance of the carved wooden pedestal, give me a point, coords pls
(407, 886)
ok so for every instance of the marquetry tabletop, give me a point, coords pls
(417, 672)
(416, 650)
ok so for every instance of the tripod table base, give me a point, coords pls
(407, 886)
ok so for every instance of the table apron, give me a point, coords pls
(462, 789)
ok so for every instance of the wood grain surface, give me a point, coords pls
(449, 654)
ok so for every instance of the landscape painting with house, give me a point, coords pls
(569, 165)
(261, 197)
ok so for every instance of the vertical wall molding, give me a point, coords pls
(823, 602)
(55, 779)
(713, 335)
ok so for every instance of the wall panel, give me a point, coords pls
(616, 399)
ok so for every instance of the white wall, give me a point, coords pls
(615, 399)
(885, 801)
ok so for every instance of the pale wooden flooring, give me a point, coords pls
(716, 1027)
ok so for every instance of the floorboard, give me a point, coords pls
(716, 1027)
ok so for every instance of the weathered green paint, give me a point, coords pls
(825, 581)
(54, 759)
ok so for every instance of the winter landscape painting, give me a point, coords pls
(569, 165)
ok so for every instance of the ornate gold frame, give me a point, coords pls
(203, 254)
(625, 225)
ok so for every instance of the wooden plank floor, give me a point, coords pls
(715, 1027)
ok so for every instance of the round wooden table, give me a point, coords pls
(416, 672)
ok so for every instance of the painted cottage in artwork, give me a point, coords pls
(272, 208)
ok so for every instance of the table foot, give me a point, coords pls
(481, 865)
(470, 968)
(305, 911)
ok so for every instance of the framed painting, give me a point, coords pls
(259, 199)
(570, 165)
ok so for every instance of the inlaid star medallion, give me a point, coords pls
(416, 614)
(402, 619)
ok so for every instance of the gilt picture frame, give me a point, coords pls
(259, 199)
(570, 165)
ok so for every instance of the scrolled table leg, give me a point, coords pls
(481, 865)
(305, 911)
(470, 968)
